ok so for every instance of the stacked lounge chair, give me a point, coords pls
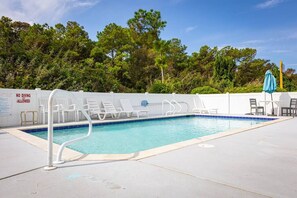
(128, 108)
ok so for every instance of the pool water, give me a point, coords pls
(130, 137)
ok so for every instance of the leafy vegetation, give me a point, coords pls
(246, 89)
(159, 87)
(205, 90)
(124, 59)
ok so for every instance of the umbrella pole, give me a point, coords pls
(272, 104)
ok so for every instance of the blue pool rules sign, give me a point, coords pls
(5, 104)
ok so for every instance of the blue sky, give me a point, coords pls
(270, 26)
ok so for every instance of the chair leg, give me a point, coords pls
(58, 117)
(99, 117)
(43, 117)
(76, 116)
(63, 116)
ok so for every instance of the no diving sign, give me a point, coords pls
(23, 98)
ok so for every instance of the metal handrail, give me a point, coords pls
(187, 104)
(178, 104)
(171, 106)
(50, 165)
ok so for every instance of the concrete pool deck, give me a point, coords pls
(261, 162)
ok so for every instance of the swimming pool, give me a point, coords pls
(130, 137)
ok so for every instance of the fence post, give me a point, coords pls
(228, 101)
(112, 96)
(264, 96)
(37, 91)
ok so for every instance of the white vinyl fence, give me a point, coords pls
(15, 101)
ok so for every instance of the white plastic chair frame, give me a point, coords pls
(64, 107)
(203, 109)
(128, 108)
(109, 108)
(93, 108)
(43, 109)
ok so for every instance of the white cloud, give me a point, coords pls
(84, 3)
(41, 11)
(251, 42)
(191, 28)
(292, 35)
(279, 51)
(269, 4)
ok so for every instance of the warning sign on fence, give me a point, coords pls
(23, 98)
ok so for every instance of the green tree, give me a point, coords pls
(161, 48)
(131, 59)
(224, 68)
(145, 28)
(116, 45)
(177, 58)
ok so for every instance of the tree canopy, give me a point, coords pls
(124, 59)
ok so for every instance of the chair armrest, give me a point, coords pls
(57, 107)
(86, 106)
(72, 107)
(42, 107)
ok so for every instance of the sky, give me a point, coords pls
(270, 26)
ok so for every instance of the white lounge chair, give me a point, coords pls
(127, 107)
(93, 108)
(199, 107)
(110, 109)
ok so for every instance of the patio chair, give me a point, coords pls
(291, 110)
(127, 107)
(65, 108)
(258, 110)
(93, 108)
(199, 107)
(43, 109)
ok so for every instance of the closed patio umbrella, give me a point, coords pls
(269, 85)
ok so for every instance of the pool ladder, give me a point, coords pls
(59, 160)
(172, 108)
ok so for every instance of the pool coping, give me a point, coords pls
(71, 155)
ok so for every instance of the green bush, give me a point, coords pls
(281, 90)
(159, 87)
(205, 90)
(248, 89)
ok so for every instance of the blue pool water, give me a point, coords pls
(130, 137)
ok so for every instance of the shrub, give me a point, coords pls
(205, 90)
(248, 89)
(281, 90)
(159, 87)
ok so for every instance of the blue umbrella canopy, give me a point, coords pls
(269, 85)
(269, 82)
